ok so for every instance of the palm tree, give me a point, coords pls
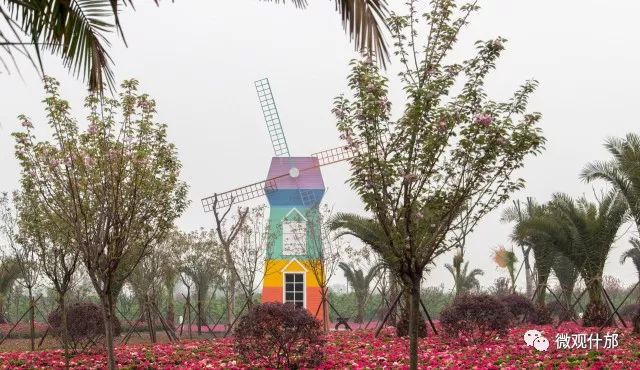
(584, 232)
(360, 283)
(463, 279)
(567, 275)
(634, 254)
(540, 240)
(371, 233)
(622, 172)
(516, 213)
(76, 30)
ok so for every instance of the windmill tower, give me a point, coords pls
(294, 188)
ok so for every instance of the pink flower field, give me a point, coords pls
(360, 350)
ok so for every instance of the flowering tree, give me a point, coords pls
(113, 187)
(448, 157)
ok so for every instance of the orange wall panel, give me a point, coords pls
(272, 294)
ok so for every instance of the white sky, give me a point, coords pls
(199, 59)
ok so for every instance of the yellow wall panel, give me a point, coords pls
(274, 269)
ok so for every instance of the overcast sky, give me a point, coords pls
(199, 59)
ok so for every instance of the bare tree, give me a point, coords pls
(249, 251)
(145, 281)
(227, 234)
(322, 249)
(201, 262)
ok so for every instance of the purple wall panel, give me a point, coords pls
(310, 176)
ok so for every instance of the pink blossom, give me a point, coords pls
(484, 119)
(26, 123)
(410, 177)
(442, 126)
(93, 128)
(88, 161)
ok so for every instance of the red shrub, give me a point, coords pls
(84, 324)
(279, 336)
(475, 318)
(519, 306)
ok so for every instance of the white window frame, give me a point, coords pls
(289, 230)
(304, 287)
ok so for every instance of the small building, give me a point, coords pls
(293, 268)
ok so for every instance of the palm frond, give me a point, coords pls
(74, 30)
(364, 22)
(632, 253)
(372, 273)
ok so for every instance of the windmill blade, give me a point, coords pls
(241, 194)
(271, 117)
(268, 186)
(339, 154)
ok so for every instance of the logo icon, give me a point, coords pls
(534, 338)
(541, 343)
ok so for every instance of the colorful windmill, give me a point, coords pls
(294, 189)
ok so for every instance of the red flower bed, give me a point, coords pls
(360, 350)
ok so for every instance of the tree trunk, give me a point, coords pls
(231, 299)
(188, 313)
(541, 292)
(32, 320)
(360, 308)
(3, 315)
(171, 309)
(597, 311)
(150, 324)
(527, 271)
(414, 316)
(568, 313)
(199, 307)
(62, 306)
(393, 292)
(142, 314)
(107, 315)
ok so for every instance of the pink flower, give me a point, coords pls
(93, 128)
(410, 177)
(88, 161)
(26, 123)
(442, 126)
(483, 119)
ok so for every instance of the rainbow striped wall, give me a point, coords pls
(287, 204)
